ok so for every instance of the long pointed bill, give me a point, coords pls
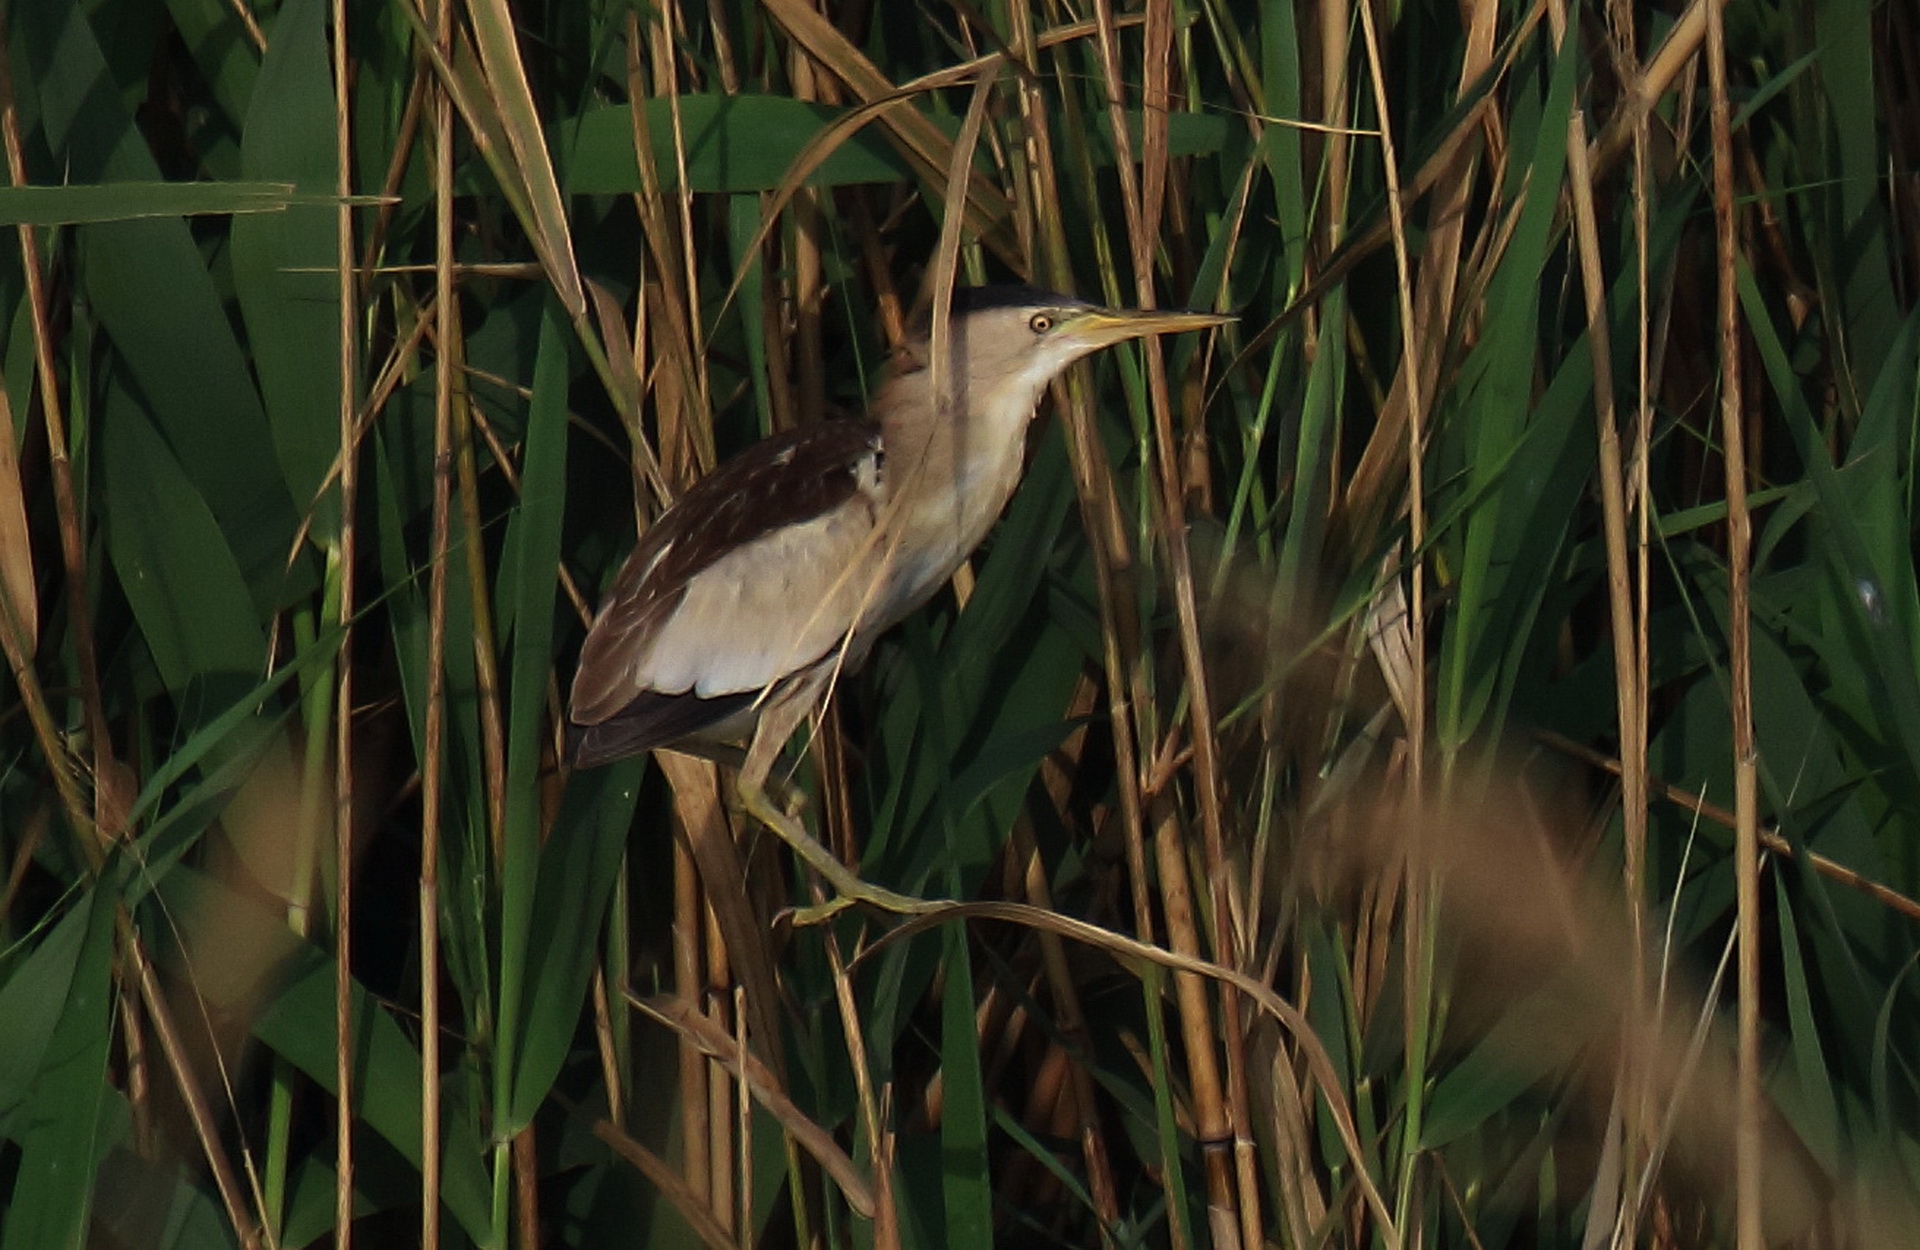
(1102, 327)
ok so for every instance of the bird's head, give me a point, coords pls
(1006, 343)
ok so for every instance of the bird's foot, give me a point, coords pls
(849, 890)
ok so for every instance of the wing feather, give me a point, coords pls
(713, 599)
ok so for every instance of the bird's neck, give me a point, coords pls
(946, 480)
(969, 456)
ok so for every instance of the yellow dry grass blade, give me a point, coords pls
(18, 599)
(510, 101)
(925, 145)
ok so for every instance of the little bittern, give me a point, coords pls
(781, 568)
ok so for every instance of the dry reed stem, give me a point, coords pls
(1746, 851)
(505, 131)
(744, 945)
(1639, 800)
(606, 1038)
(689, 1206)
(89, 828)
(1070, 1020)
(886, 1231)
(432, 770)
(768, 1091)
(666, 347)
(1106, 535)
(1130, 952)
(924, 144)
(344, 556)
(688, 938)
(808, 280)
(1224, 908)
(205, 1130)
(1417, 922)
(668, 304)
(1629, 694)
(19, 597)
(721, 998)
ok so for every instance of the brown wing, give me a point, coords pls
(646, 679)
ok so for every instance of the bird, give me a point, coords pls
(776, 573)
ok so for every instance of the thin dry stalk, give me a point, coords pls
(1071, 1022)
(1133, 953)
(743, 1125)
(886, 1228)
(1435, 291)
(607, 1043)
(1638, 802)
(692, 330)
(689, 937)
(657, 1171)
(1224, 907)
(1668, 62)
(1634, 728)
(926, 147)
(33, 699)
(432, 773)
(808, 289)
(198, 1112)
(743, 949)
(1417, 929)
(526, 1190)
(1749, 1109)
(716, 1141)
(1770, 839)
(669, 303)
(1629, 695)
(768, 1091)
(1212, 1127)
(66, 506)
(1336, 31)
(721, 999)
(344, 555)
(19, 597)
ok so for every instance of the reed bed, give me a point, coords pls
(1434, 764)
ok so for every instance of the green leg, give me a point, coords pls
(777, 723)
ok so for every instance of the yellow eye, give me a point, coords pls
(1040, 322)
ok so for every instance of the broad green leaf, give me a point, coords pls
(284, 265)
(220, 46)
(38, 982)
(298, 1024)
(967, 1176)
(132, 201)
(732, 143)
(1812, 1105)
(1497, 406)
(152, 292)
(69, 1116)
(550, 923)
(176, 569)
(1854, 220)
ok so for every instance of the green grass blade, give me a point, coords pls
(967, 1180)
